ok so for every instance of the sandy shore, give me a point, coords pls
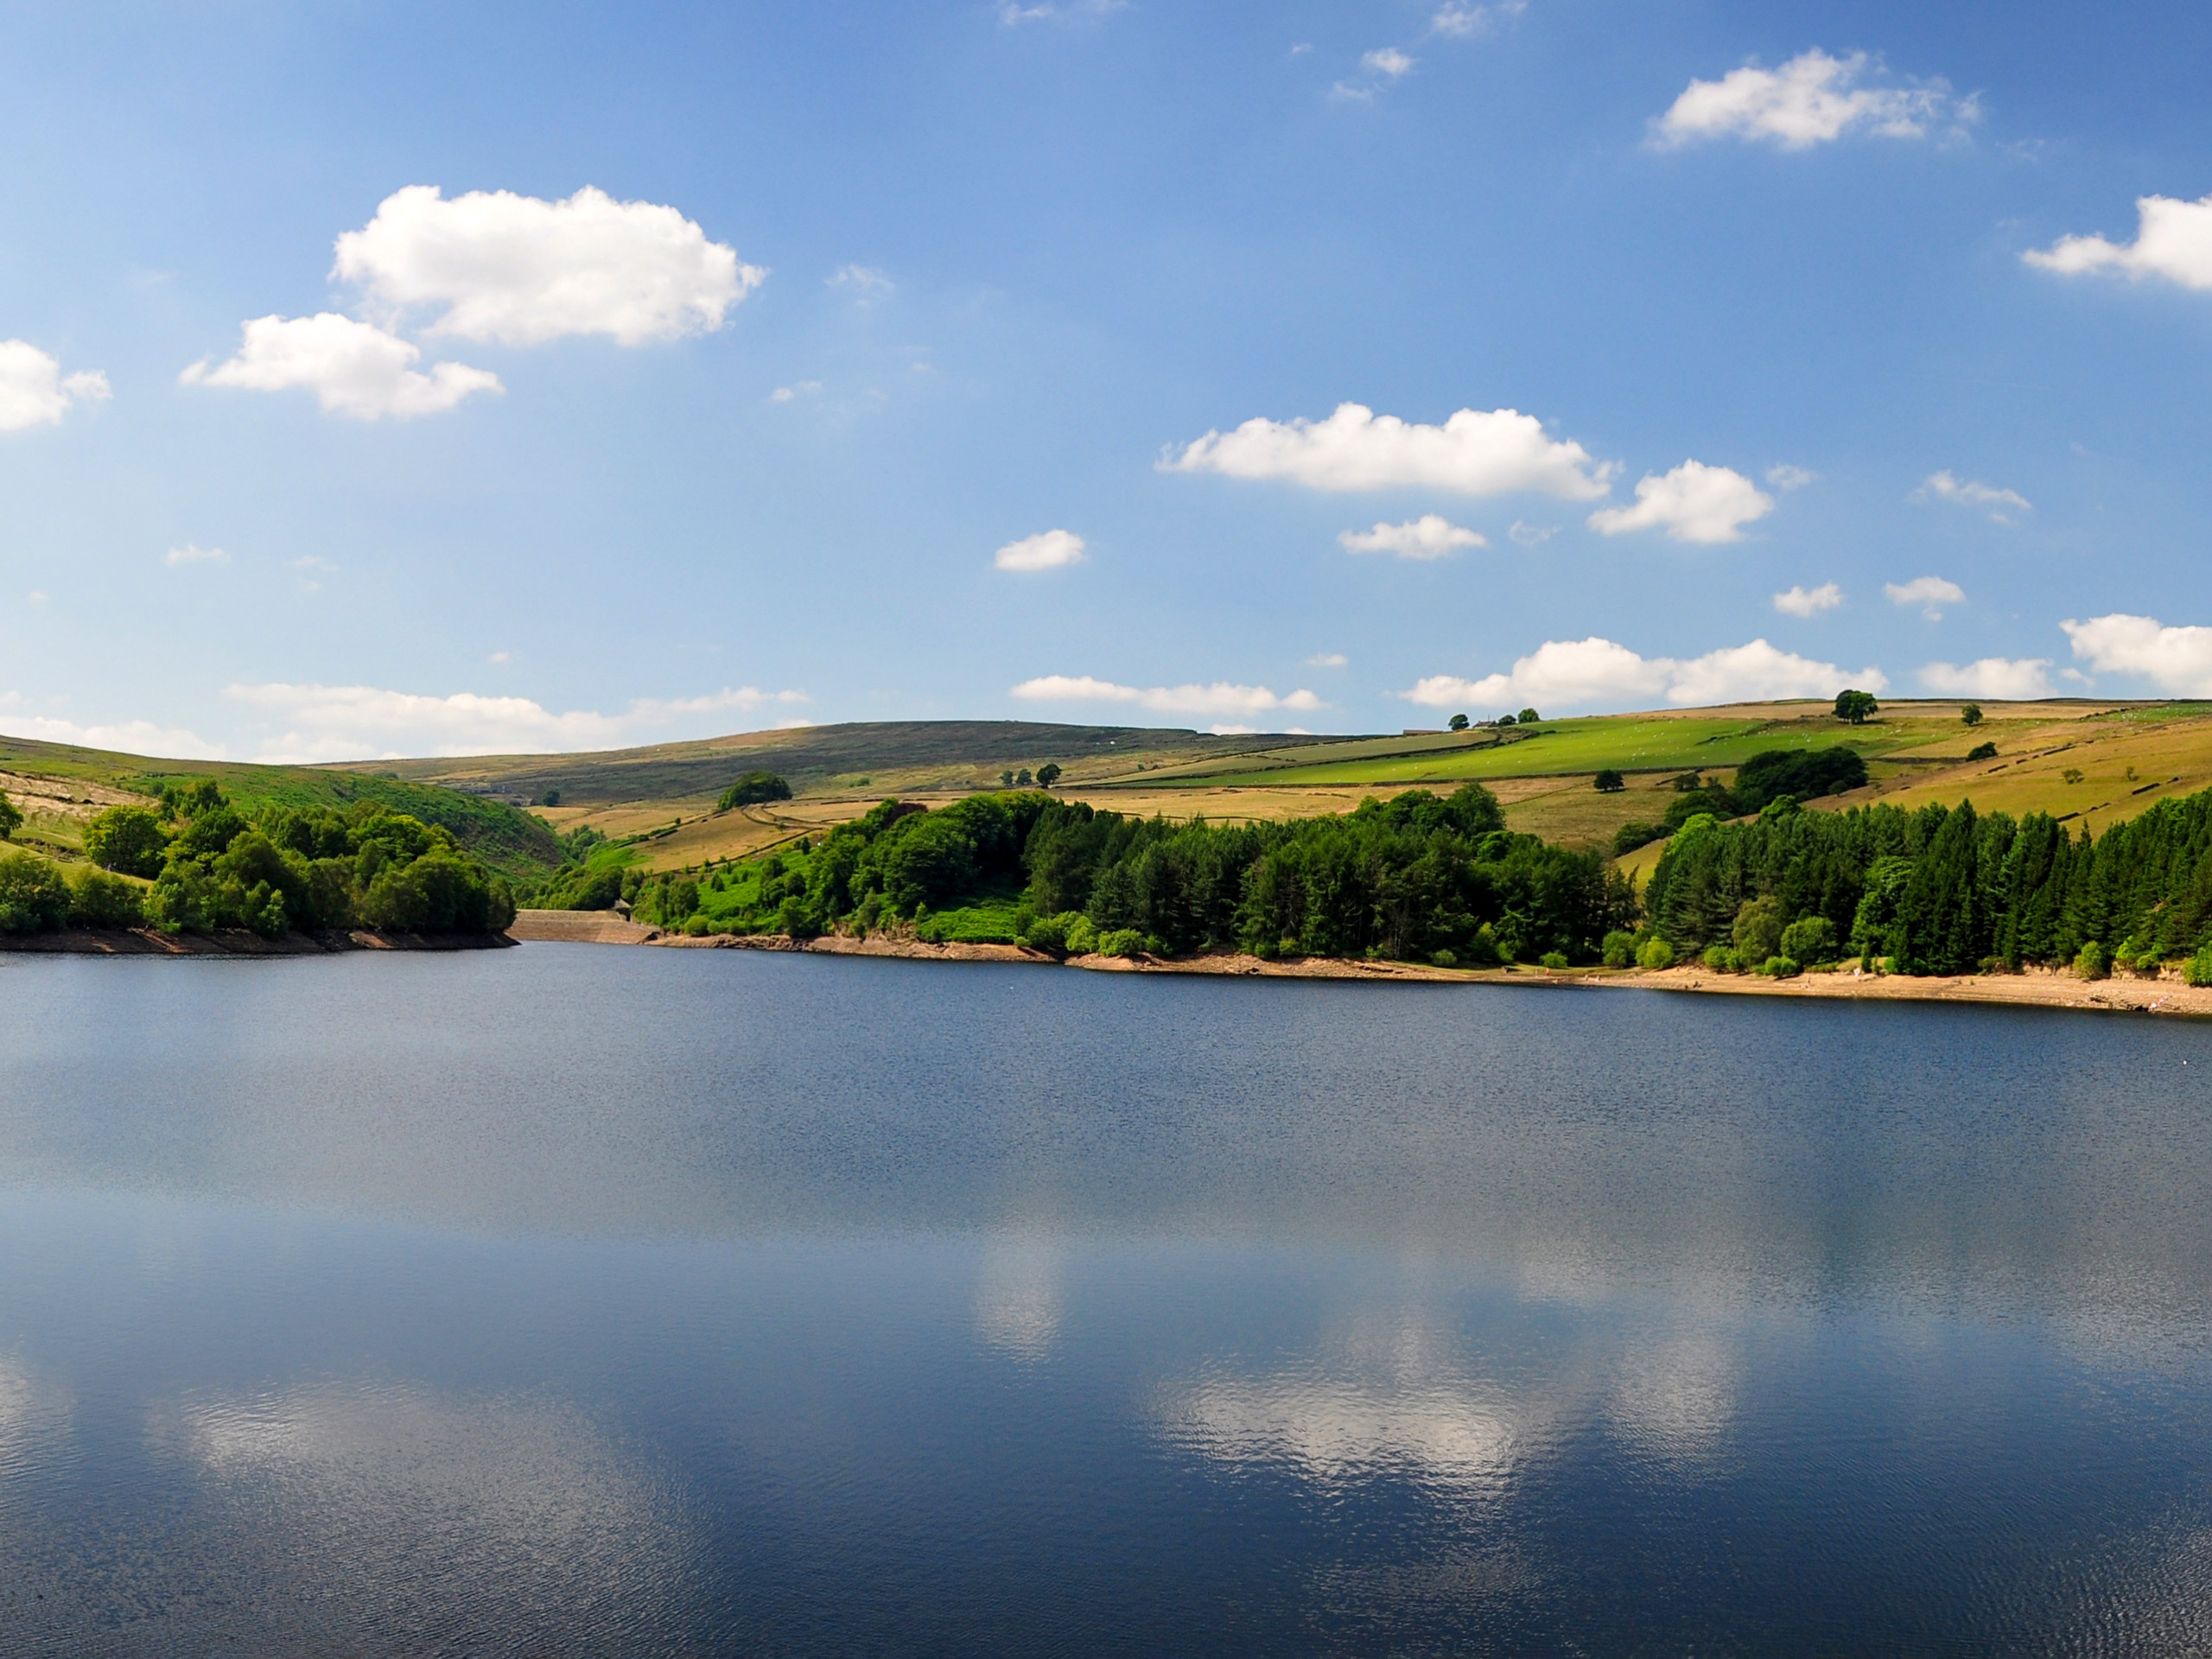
(2032, 987)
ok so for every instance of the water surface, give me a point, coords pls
(570, 1299)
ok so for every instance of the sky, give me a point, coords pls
(388, 379)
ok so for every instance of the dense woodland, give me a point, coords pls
(192, 862)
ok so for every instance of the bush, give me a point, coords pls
(96, 900)
(1049, 932)
(1444, 959)
(1630, 837)
(1982, 751)
(1083, 937)
(1655, 954)
(1720, 959)
(1483, 950)
(1553, 960)
(126, 839)
(2197, 970)
(751, 789)
(34, 898)
(1609, 782)
(1618, 949)
(2092, 962)
(1778, 967)
(1809, 938)
(1121, 942)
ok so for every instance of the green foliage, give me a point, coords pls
(98, 899)
(1611, 782)
(1758, 929)
(1083, 937)
(1121, 942)
(1553, 960)
(1810, 939)
(1856, 706)
(2093, 961)
(1722, 959)
(2197, 970)
(1506, 720)
(753, 788)
(1618, 949)
(1457, 723)
(1715, 800)
(1807, 774)
(1982, 751)
(1656, 953)
(1529, 717)
(34, 898)
(1630, 837)
(11, 817)
(1971, 714)
(1778, 967)
(1048, 774)
(127, 839)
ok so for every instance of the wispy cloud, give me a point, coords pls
(1812, 99)
(1221, 700)
(192, 554)
(2001, 506)
(1808, 601)
(1930, 594)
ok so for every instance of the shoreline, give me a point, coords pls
(235, 942)
(2031, 988)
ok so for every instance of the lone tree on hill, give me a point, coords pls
(1529, 717)
(1610, 781)
(1458, 722)
(1971, 714)
(1855, 706)
(752, 789)
(1048, 774)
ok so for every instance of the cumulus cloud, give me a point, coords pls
(1473, 453)
(2177, 660)
(521, 271)
(1786, 478)
(1219, 701)
(353, 368)
(1385, 61)
(1812, 99)
(1045, 551)
(145, 737)
(1692, 502)
(2173, 240)
(1327, 659)
(1808, 601)
(1999, 678)
(2000, 504)
(189, 554)
(356, 722)
(1930, 594)
(35, 392)
(1429, 536)
(1577, 673)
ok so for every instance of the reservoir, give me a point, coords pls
(568, 1299)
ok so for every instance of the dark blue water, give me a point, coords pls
(570, 1300)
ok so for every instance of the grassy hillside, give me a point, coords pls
(60, 788)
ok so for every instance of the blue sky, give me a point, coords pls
(1807, 383)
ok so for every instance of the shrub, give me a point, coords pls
(1630, 837)
(1777, 968)
(1553, 960)
(2197, 970)
(1656, 953)
(1121, 942)
(1618, 949)
(1483, 950)
(1444, 959)
(1720, 959)
(1982, 751)
(1083, 937)
(128, 839)
(1048, 933)
(2092, 962)
(1809, 938)
(34, 898)
(96, 900)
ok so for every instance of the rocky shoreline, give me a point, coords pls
(235, 942)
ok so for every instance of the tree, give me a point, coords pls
(1006, 778)
(752, 789)
(1505, 719)
(1610, 781)
(1971, 714)
(1529, 717)
(1048, 774)
(1855, 706)
(127, 839)
(1458, 722)
(1982, 751)
(11, 817)
(1757, 931)
(1022, 778)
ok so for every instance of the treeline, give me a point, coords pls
(1945, 890)
(1418, 877)
(1803, 774)
(204, 865)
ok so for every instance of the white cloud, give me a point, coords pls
(1786, 478)
(123, 736)
(865, 283)
(2175, 660)
(356, 722)
(1385, 61)
(796, 390)
(1930, 594)
(1694, 503)
(1012, 13)
(35, 392)
(1492, 453)
(189, 554)
(1045, 551)
(1531, 535)
(1429, 536)
(1575, 673)
(1812, 99)
(2173, 239)
(1327, 659)
(521, 271)
(1808, 601)
(1221, 700)
(2000, 504)
(1999, 678)
(353, 368)
(1465, 22)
